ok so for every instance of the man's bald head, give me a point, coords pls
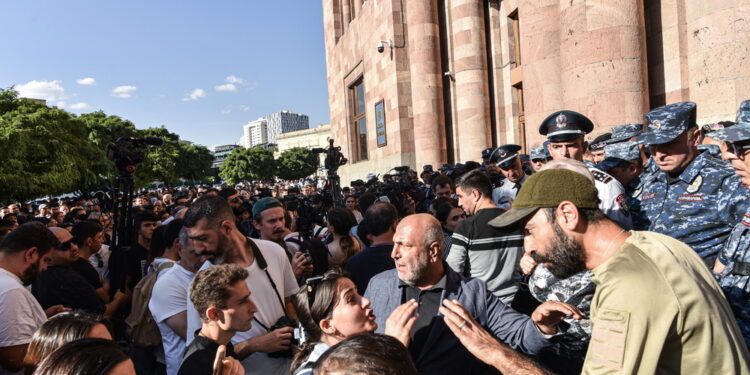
(62, 234)
(417, 250)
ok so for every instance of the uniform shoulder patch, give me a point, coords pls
(695, 185)
(607, 347)
(600, 176)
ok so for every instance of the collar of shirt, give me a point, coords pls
(439, 286)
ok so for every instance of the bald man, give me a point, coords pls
(59, 284)
(422, 276)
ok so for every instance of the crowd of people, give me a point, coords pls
(626, 254)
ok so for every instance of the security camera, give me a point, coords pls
(381, 46)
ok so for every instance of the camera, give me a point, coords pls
(381, 47)
(284, 321)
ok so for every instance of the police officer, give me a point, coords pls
(630, 133)
(733, 263)
(694, 197)
(565, 131)
(539, 157)
(596, 147)
(507, 158)
(623, 162)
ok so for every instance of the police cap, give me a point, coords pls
(565, 125)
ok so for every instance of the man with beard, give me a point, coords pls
(210, 225)
(506, 157)
(233, 198)
(24, 253)
(656, 309)
(422, 276)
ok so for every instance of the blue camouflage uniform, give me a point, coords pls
(701, 205)
(626, 152)
(735, 256)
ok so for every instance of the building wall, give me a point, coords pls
(285, 122)
(453, 84)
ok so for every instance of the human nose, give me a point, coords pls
(365, 302)
(396, 252)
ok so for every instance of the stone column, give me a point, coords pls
(470, 73)
(602, 60)
(426, 82)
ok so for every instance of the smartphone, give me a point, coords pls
(219, 361)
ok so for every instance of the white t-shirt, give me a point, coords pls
(20, 313)
(269, 308)
(102, 254)
(169, 298)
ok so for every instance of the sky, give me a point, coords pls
(201, 68)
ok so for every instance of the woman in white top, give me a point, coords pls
(343, 245)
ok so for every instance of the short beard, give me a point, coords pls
(565, 258)
(418, 274)
(30, 274)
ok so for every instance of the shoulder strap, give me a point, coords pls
(264, 266)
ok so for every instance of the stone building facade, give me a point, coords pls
(432, 81)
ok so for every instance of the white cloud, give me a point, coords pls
(60, 104)
(245, 108)
(47, 90)
(124, 92)
(227, 87)
(226, 110)
(80, 106)
(88, 81)
(234, 79)
(195, 95)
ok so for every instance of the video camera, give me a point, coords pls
(127, 152)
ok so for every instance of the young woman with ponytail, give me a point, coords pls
(330, 310)
(344, 245)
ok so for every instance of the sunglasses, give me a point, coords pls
(737, 149)
(67, 245)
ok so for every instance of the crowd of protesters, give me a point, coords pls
(626, 254)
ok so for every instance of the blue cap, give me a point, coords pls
(427, 168)
(565, 125)
(538, 153)
(711, 149)
(264, 204)
(458, 166)
(743, 114)
(625, 132)
(736, 133)
(667, 122)
(446, 167)
(617, 153)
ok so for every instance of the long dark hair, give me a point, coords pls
(342, 220)
(57, 331)
(83, 357)
(443, 212)
(313, 303)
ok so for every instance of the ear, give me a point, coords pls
(31, 255)
(434, 251)
(327, 327)
(214, 314)
(568, 215)
(694, 138)
(226, 227)
(585, 145)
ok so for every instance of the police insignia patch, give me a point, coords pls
(695, 185)
(561, 120)
(656, 124)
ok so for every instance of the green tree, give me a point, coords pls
(244, 164)
(45, 150)
(194, 162)
(296, 163)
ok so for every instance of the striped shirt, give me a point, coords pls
(489, 254)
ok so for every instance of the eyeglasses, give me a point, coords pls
(737, 149)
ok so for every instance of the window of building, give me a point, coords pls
(352, 11)
(359, 120)
(515, 37)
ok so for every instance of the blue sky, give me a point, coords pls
(201, 68)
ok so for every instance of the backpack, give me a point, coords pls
(317, 250)
(140, 325)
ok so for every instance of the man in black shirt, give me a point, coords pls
(89, 237)
(222, 299)
(136, 255)
(381, 220)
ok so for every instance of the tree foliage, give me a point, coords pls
(296, 163)
(48, 151)
(244, 164)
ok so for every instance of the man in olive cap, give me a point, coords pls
(693, 197)
(656, 309)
